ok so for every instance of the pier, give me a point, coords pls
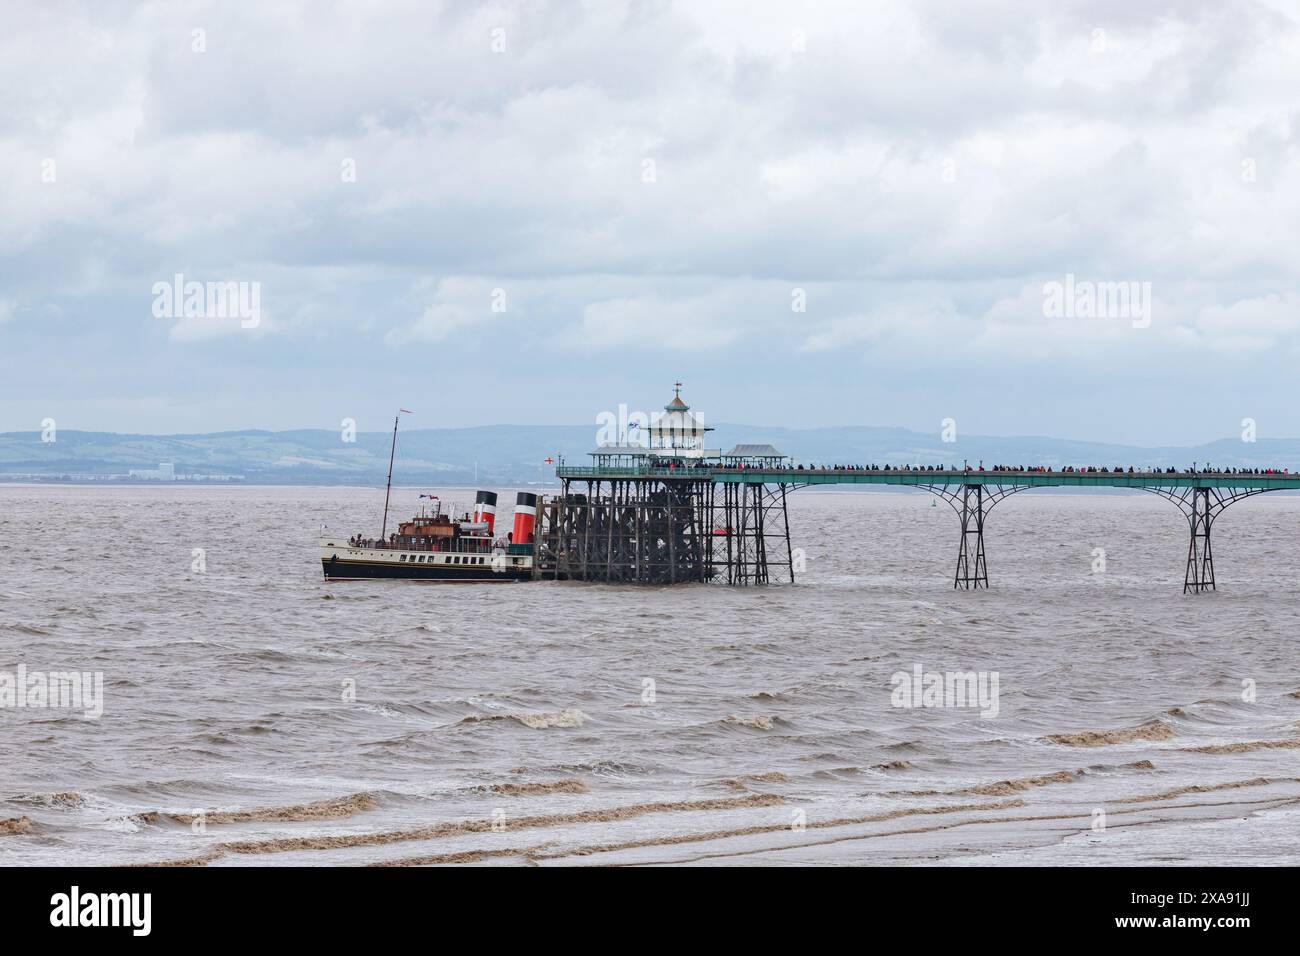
(671, 511)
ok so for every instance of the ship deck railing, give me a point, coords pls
(370, 544)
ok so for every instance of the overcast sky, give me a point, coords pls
(532, 212)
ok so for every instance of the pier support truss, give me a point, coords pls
(1200, 506)
(750, 533)
(665, 530)
(972, 502)
(642, 531)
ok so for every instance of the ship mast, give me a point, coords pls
(389, 490)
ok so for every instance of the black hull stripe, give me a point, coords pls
(508, 580)
(349, 571)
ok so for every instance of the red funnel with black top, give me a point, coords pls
(485, 509)
(525, 518)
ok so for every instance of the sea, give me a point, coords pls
(237, 710)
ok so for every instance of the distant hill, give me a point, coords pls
(514, 454)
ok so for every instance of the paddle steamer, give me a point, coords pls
(437, 546)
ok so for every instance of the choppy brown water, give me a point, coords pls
(506, 723)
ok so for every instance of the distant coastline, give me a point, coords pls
(515, 455)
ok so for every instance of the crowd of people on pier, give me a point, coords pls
(1007, 469)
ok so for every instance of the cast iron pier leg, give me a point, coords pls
(972, 526)
(1200, 560)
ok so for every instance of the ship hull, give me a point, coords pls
(341, 562)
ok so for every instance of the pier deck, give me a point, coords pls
(657, 524)
(920, 479)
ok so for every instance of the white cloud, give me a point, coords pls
(920, 170)
(461, 307)
(653, 325)
(1249, 325)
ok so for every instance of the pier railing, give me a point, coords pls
(915, 477)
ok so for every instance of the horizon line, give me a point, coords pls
(784, 428)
